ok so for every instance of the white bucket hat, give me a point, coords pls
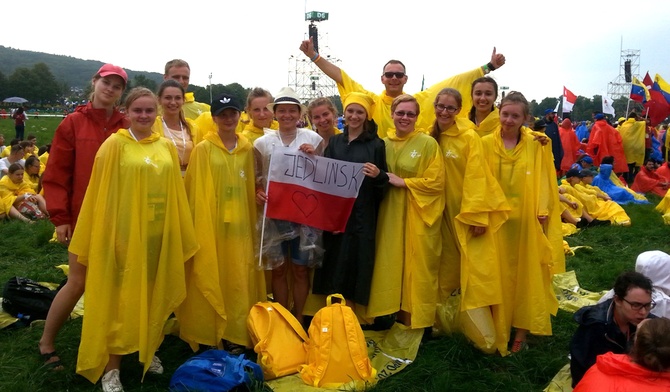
(287, 96)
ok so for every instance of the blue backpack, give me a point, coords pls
(216, 371)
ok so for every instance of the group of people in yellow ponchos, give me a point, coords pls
(20, 188)
(479, 214)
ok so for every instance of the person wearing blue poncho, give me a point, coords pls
(582, 131)
(618, 194)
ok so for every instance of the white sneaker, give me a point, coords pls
(156, 366)
(111, 381)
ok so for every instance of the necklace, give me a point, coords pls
(294, 134)
(146, 159)
(167, 130)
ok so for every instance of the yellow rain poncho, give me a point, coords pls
(632, 135)
(409, 242)
(252, 132)
(193, 109)
(526, 175)
(9, 191)
(134, 233)
(425, 98)
(472, 198)
(222, 283)
(664, 208)
(490, 124)
(596, 207)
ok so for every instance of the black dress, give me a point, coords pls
(350, 256)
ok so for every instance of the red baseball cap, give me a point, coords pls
(111, 69)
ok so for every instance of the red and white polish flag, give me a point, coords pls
(569, 100)
(312, 190)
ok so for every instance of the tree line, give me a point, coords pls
(40, 87)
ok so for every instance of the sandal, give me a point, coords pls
(518, 346)
(55, 365)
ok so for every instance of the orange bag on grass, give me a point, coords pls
(336, 350)
(278, 339)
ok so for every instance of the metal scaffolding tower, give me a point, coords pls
(629, 67)
(303, 76)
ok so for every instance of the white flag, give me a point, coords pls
(607, 106)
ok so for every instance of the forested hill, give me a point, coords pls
(69, 70)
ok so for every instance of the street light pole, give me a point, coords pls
(210, 87)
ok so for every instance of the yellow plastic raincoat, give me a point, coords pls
(526, 175)
(597, 208)
(632, 135)
(489, 125)
(425, 98)
(472, 198)
(222, 282)
(409, 242)
(252, 132)
(192, 109)
(9, 191)
(134, 234)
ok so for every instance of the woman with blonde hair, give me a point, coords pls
(530, 241)
(323, 116)
(407, 258)
(259, 115)
(135, 252)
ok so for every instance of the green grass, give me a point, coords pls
(445, 364)
(449, 363)
(42, 127)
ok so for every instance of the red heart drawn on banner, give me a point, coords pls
(306, 203)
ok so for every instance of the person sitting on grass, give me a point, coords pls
(647, 180)
(597, 204)
(646, 368)
(17, 193)
(33, 173)
(15, 156)
(610, 326)
(618, 193)
(575, 213)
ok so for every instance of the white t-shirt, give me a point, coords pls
(4, 165)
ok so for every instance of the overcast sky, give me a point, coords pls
(547, 44)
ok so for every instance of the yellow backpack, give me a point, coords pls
(278, 339)
(336, 350)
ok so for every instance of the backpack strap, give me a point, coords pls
(290, 318)
(326, 343)
(359, 356)
(329, 299)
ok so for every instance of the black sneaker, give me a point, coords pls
(598, 222)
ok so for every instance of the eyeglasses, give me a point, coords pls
(450, 109)
(405, 114)
(638, 306)
(398, 75)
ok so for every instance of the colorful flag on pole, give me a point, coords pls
(638, 92)
(647, 81)
(663, 87)
(658, 108)
(312, 190)
(607, 106)
(569, 100)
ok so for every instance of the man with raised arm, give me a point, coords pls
(394, 77)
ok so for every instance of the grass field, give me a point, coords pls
(445, 364)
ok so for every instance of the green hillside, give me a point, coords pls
(69, 70)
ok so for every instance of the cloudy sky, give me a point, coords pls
(547, 44)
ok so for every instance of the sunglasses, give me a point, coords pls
(405, 114)
(398, 75)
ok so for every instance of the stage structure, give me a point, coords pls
(629, 67)
(303, 76)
